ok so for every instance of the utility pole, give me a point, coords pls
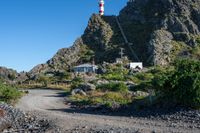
(121, 55)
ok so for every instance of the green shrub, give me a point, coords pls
(133, 79)
(62, 75)
(44, 80)
(115, 72)
(119, 98)
(76, 82)
(144, 76)
(182, 85)
(113, 76)
(195, 52)
(112, 86)
(198, 40)
(8, 93)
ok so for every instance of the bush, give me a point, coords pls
(113, 76)
(133, 79)
(116, 87)
(115, 72)
(62, 75)
(44, 80)
(76, 82)
(144, 76)
(8, 93)
(182, 85)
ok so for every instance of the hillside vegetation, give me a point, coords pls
(9, 94)
(169, 86)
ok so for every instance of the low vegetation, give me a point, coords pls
(8, 93)
(175, 85)
(180, 86)
(112, 86)
(115, 72)
(108, 99)
(76, 82)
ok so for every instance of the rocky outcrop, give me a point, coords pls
(160, 47)
(8, 75)
(149, 25)
(66, 57)
(12, 76)
(62, 60)
(98, 33)
(102, 36)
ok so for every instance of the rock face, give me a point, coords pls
(151, 24)
(160, 47)
(65, 57)
(62, 60)
(152, 27)
(8, 74)
(12, 76)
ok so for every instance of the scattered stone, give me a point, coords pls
(15, 120)
(78, 91)
(100, 82)
(140, 93)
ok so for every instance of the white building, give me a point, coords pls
(136, 65)
(85, 68)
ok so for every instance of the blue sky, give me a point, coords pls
(31, 31)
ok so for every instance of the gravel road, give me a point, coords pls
(50, 104)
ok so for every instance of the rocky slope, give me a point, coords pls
(7, 74)
(154, 25)
(12, 76)
(158, 31)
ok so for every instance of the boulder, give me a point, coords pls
(78, 91)
(130, 84)
(100, 82)
(140, 94)
(87, 87)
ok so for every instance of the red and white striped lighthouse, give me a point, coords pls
(101, 7)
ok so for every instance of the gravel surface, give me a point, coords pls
(50, 104)
(16, 121)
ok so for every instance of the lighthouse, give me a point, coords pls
(101, 7)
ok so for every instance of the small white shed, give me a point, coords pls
(136, 65)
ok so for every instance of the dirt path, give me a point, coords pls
(50, 104)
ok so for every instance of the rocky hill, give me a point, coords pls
(156, 32)
(7, 74)
(12, 76)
